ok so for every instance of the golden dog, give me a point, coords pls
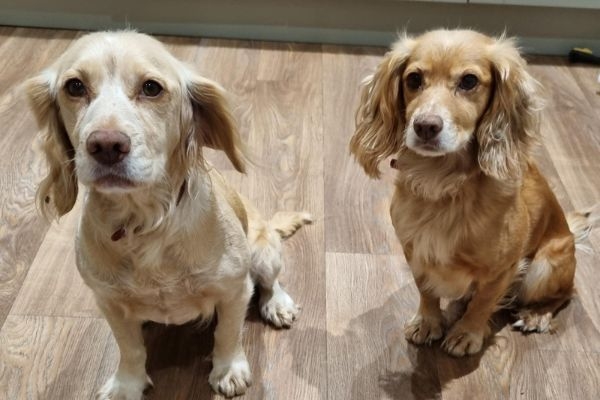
(476, 219)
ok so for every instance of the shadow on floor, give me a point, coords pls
(179, 357)
(394, 369)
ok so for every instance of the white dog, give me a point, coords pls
(162, 236)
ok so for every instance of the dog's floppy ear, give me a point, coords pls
(509, 126)
(212, 123)
(57, 193)
(380, 116)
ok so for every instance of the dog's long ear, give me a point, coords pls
(380, 118)
(57, 193)
(510, 125)
(212, 123)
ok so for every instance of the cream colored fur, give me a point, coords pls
(188, 244)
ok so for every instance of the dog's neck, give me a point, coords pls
(434, 178)
(446, 177)
(121, 230)
(138, 212)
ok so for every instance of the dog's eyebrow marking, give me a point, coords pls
(78, 72)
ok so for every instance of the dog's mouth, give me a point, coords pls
(429, 148)
(114, 182)
(112, 178)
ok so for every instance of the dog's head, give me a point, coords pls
(120, 113)
(449, 92)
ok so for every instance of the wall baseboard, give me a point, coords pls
(319, 22)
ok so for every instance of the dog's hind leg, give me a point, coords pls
(547, 285)
(265, 238)
(548, 281)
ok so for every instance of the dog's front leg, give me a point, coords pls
(468, 333)
(426, 325)
(231, 375)
(130, 380)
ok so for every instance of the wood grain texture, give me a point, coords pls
(60, 290)
(51, 357)
(367, 354)
(357, 208)
(295, 106)
(289, 177)
(24, 51)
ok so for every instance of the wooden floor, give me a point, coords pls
(295, 104)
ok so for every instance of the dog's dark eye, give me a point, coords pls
(414, 81)
(151, 88)
(468, 82)
(75, 88)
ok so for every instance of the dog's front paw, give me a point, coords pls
(119, 387)
(230, 378)
(420, 329)
(460, 342)
(278, 309)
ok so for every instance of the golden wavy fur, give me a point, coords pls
(162, 236)
(477, 221)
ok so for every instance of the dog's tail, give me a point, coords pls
(582, 222)
(266, 237)
(286, 223)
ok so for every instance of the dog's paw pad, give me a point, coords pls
(529, 321)
(230, 379)
(423, 330)
(460, 342)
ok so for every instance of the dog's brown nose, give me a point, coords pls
(108, 147)
(428, 126)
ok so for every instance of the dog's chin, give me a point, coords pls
(427, 149)
(112, 183)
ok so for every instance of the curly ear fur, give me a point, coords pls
(509, 126)
(380, 116)
(213, 125)
(57, 193)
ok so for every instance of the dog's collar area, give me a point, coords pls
(394, 163)
(181, 192)
(121, 231)
(119, 234)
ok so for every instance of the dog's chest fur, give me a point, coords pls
(443, 238)
(177, 301)
(173, 274)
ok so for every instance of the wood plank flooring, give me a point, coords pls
(295, 107)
